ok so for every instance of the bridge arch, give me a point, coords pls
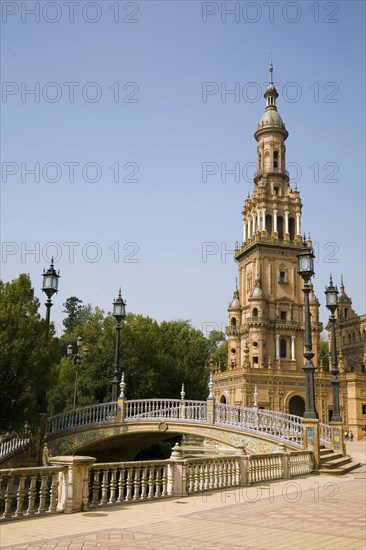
(124, 441)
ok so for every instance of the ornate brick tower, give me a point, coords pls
(266, 324)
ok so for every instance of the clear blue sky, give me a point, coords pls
(163, 126)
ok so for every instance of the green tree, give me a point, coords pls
(156, 359)
(218, 348)
(29, 352)
(76, 313)
(324, 354)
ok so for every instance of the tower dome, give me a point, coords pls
(271, 119)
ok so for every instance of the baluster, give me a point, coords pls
(190, 478)
(121, 485)
(43, 493)
(96, 486)
(53, 494)
(32, 495)
(219, 465)
(216, 476)
(164, 481)
(206, 480)
(144, 483)
(151, 482)
(136, 483)
(104, 498)
(229, 466)
(8, 497)
(196, 477)
(157, 482)
(129, 483)
(113, 486)
(211, 475)
(20, 496)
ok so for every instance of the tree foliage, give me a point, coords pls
(156, 359)
(324, 354)
(76, 313)
(28, 353)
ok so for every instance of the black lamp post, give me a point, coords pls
(50, 286)
(306, 270)
(119, 313)
(76, 358)
(331, 293)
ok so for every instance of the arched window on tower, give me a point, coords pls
(269, 223)
(283, 348)
(233, 322)
(346, 313)
(349, 338)
(275, 159)
(255, 312)
(267, 161)
(291, 228)
(259, 161)
(353, 337)
(280, 227)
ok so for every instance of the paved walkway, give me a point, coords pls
(308, 513)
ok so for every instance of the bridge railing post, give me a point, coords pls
(210, 411)
(121, 401)
(284, 461)
(121, 409)
(243, 465)
(177, 478)
(73, 491)
(311, 440)
(337, 437)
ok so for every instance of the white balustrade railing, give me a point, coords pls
(92, 414)
(264, 467)
(13, 445)
(283, 427)
(300, 463)
(130, 481)
(25, 492)
(162, 409)
(212, 473)
(324, 433)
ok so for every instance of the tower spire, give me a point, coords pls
(271, 71)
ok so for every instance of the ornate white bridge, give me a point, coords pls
(76, 430)
(281, 427)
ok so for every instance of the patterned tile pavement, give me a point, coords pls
(309, 513)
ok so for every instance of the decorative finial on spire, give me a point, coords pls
(330, 279)
(271, 71)
(210, 387)
(122, 386)
(182, 393)
(236, 284)
(342, 280)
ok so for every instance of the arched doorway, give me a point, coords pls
(223, 399)
(296, 405)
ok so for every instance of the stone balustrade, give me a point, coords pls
(84, 416)
(13, 445)
(325, 433)
(25, 492)
(75, 483)
(172, 409)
